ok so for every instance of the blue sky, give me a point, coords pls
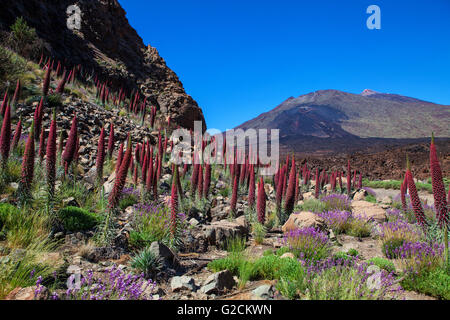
(238, 59)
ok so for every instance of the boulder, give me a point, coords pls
(164, 253)
(218, 232)
(303, 219)
(265, 291)
(218, 282)
(369, 211)
(183, 283)
(360, 195)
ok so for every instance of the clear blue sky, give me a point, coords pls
(238, 59)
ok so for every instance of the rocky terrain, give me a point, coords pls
(94, 207)
(108, 46)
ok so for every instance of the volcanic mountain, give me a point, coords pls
(332, 121)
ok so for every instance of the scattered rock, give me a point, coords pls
(183, 283)
(369, 211)
(303, 219)
(287, 255)
(165, 254)
(218, 232)
(218, 282)
(265, 292)
(360, 195)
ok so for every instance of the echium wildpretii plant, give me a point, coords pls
(24, 190)
(51, 159)
(440, 202)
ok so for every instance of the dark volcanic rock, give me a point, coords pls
(107, 44)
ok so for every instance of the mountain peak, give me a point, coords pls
(368, 92)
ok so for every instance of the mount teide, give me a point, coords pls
(331, 121)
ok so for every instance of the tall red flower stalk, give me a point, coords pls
(26, 180)
(62, 84)
(42, 145)
(317, 187)
(261, 203)
(4, 104)
(38, 118)
(207, 182)
(174, 205)
(119, 158)
(200, 182)
(251, 188)
(5, 137)
(71, 144)
(297, 186)
(290, 192)
(437, 182)
(111, 141)
(121, 177)
(51, 158)
(349, 178)
(100, 156)
(16, 94)
(415, 200)
(340, 182)
(17, 134)
(234, 196)
(46, 84)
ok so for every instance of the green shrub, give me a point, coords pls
(23, 39)
(6, 210)
(313, 205)
(259, 232)
(78, 219)
(147, 262)
(353, 252)
(382, 264)
(127, 201)
(54, 101)
(359, 227)
(435, 283)
(342, 256)
(12, 66)
(371, 198)
(139, 240)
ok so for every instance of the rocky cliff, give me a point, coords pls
(107, 44)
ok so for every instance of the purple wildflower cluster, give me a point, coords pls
(395, 215)
(347, 279)
(155, 218)
(399, 229)
(336, 202)
(417, 257)
(308, 243)
(337, 220)
(130, 192)
(115, 285)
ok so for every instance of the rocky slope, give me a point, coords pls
(109, 46)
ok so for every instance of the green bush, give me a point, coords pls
(435, 283)
(12, 66)
(342, 256)
(371, 198)
(54, 101)
(383, 264)
(140, 240)
(24, 40)
(147, 262)
(259, 232)
(78, 219)
(127, 201)
(313, 205)
(5, 211)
